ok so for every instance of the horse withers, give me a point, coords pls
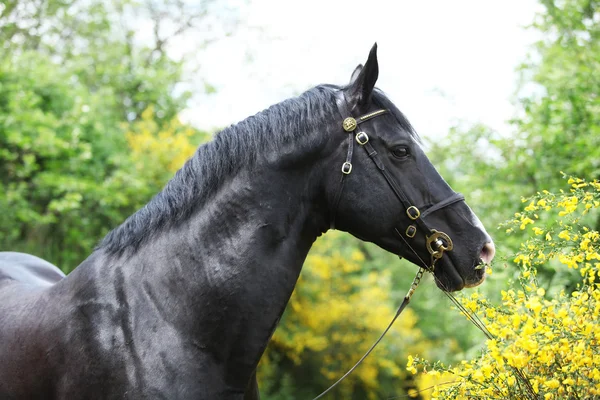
(180, 301)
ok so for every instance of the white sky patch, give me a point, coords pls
(441, 62)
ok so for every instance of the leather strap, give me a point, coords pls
(455, 198)
(347, 165)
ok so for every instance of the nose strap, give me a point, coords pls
(455, 198)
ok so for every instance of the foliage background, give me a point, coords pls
(89, 131)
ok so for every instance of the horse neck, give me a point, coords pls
(256, 230)
(222, 277)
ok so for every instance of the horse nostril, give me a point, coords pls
(488, 252)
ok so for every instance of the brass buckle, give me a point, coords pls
(362, 138)
(411, 231)
(347, 168)
(416, 214)
(349, 124)
(438, 238)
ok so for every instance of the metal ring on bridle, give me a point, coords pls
(441, 241)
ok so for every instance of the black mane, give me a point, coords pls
(237, 146)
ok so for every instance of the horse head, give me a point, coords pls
(386, 190)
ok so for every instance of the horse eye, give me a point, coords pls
(401, 152)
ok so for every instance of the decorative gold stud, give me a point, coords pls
(349, 124)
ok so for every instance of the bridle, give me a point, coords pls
(436, 242)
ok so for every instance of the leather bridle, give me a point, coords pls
(436, 242)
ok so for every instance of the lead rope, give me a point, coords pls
(405, 302)
(435, 255)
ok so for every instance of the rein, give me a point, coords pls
(436, 242)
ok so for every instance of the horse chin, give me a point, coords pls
(475, 283)
(447, 277)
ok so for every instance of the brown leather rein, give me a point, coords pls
(436, 242)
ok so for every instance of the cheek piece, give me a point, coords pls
(436, 242)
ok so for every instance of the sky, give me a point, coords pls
(443, 63)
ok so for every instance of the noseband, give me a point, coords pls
(436, 242)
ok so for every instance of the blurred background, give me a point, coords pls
(102, 101)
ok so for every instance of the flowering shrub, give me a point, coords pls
(540, 346)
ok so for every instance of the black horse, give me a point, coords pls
(180, 301)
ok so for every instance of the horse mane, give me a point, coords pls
(235, 147)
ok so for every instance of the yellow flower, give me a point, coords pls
(410, 365)
(584, 244)
(531, 207)
(525, 221)
(564, 235)
(552, 383)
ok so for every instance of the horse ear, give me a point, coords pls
(357, 70)
(361, 86)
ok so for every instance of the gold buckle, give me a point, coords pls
(347, 168)
(411, 231)
(362, 138)
(411, 216)
(349, 124)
